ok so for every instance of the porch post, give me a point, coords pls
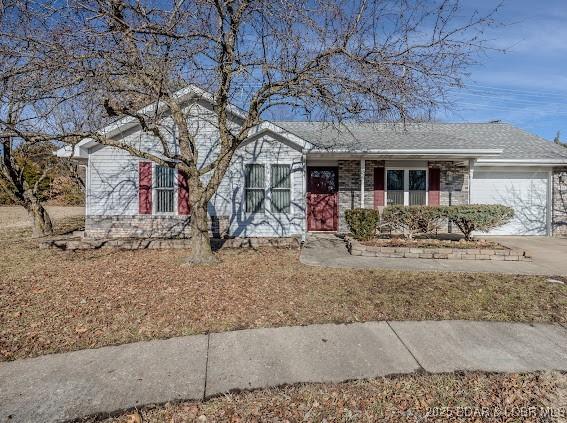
(362, 173)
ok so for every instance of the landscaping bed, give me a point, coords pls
(434, 249)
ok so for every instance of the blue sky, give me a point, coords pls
(526, 85)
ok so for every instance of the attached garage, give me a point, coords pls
(526, 191)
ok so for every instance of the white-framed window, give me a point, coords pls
(254, 187)
(164, 189)
(280, 201)
(406, 187)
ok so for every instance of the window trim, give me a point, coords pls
(406, 170)
(271, 189)
(175, 211)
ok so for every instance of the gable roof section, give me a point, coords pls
(116, 128)
(514, 143)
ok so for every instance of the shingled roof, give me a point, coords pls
(516, 143)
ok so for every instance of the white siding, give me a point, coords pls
(229, 200)
(112, 186)
(112, 183)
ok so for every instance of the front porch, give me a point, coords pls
(334, 186)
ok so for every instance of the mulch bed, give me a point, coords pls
(433, 243)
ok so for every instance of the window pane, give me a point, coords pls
(417, 180)
(164, 183)
(164, 177)
(395, 180)
(164, 201)
(395, 198)
(254, 176)
(281, 200)
(281, 176)
(395, 187)
(281, 188)
(254, 200)
(417, 198)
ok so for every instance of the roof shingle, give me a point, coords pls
(515, 142)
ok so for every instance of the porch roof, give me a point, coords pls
(495, 140)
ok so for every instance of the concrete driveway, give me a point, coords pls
(549, 257)
(547, 252)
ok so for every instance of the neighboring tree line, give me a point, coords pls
(67, 68)
(63, 184)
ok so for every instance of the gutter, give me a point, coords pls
(415, 153)
(521, 162)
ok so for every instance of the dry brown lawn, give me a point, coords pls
(52, 301)
(415, 398)
(16, 217)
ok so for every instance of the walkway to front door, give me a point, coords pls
(322, 201)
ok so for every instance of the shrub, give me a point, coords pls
(411, 220)
(363, 223)
(479, 217)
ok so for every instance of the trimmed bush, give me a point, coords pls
(411, 220)
(363, 223)
(479, 217)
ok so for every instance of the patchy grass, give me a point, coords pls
(501, 398)
(53, 301)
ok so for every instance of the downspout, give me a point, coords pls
(549, 208)
(304, 229)
(362, 173)
(471, 176)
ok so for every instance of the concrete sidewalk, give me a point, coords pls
(328, 250)
(107, 380)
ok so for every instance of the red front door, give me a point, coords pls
(322, 196)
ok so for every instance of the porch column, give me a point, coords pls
(362, 173)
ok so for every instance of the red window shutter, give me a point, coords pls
(182, 193)
(378, 187)
(145, 188)
(434, 186)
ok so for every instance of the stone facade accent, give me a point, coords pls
(559, 209)
(454, 182)
(158, 244)
(355, 248)
(349, 187)
(148, 226)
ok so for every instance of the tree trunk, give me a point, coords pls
(201, 252)
(41, 222)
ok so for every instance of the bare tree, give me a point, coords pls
(326, 59)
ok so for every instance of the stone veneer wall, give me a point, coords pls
(349, 185)
(148, 226)
(559, 210)
(459, 190)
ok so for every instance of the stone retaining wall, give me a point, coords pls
(72, 244)
(357, 249)
(149, 226)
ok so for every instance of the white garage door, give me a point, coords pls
(524, 191)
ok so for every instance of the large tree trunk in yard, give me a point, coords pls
(201, 252)
(41, 222)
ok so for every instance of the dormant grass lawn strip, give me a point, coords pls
(53, 301)
(395, 399)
